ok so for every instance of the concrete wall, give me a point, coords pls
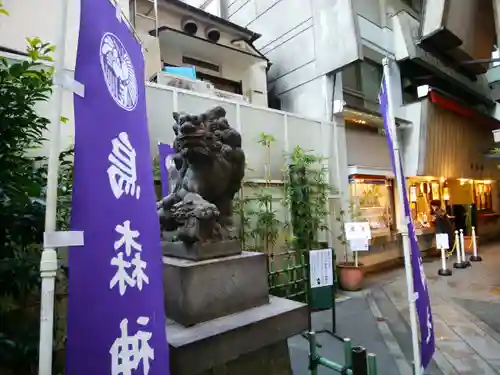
(297, 81)
(300, 45)
(27, 19)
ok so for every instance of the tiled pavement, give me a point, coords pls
(466, 313)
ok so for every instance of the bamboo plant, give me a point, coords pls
(307, 194)
(259, 227)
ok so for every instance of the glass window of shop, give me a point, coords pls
(372, 200)
(451, 193)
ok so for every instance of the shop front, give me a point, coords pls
(372, 190)
(445, 154)
(444, 160)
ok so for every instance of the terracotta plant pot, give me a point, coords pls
(350, 276)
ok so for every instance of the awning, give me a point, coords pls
(192, 46)
(450, 104)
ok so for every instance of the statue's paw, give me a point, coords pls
(206, 212)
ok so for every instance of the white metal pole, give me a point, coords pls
(443, 259)
(474, 243)
(48, 263)
(458, 245)
(403, 227)
(462, 245)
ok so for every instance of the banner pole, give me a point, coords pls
(404, 227)
(48, 262)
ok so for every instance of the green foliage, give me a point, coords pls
(354, 215)
(307, 196)
(259, 227)
(2, 10)
(156, 168)
(22, 197)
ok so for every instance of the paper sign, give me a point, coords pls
(321, 268)
(442, 241)
(357, 230)
(359, 244)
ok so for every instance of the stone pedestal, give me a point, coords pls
(199, 291)
(221, 317)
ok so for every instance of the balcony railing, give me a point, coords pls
(197, 86)
(289, 130)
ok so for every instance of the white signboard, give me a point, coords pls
(321, 268)
(359, 244)
(442, 241)
(357, 231)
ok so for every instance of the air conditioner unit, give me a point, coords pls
(230, 96)
(184, 83)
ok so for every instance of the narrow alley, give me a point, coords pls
(466, 317)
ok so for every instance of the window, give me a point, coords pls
(482, 195)
(200, 64)
(371, 200)
(221, 83)
(414, 4)
(363, 77)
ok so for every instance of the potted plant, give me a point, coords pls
(350, 273)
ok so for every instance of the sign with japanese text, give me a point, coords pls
(116, 321)
(357, 231)
(321, 268)
(422, 299)
(168, 170)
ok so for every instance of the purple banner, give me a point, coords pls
(423, 303)
(116, 320)
(167, 167)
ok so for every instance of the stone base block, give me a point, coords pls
(205, 251)
(196, 292)
(229, 342)
(273, 359)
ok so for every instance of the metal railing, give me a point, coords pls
(356, 360)
(288, 276)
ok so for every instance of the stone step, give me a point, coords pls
(226, 343)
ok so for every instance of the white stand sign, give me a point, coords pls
(359, 244)
(357, 230)
(321, 268)
(358, 234)
(442, 241)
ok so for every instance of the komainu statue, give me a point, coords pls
(211, 165)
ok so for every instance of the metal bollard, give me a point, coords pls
(372, 364)
(475, 257)
(359, 361)
(347, 353)
(444, 270)
(462, 247)
(459, 263)
(313, 355)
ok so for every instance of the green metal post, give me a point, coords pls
(372, 364)
(313, 355)
(332, 365)
(348, 353)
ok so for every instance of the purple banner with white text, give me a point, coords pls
(422, 304)
(116, 320)
(167, 168)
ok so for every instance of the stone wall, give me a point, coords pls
(273, 359)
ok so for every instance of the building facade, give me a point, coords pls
(327, 63)
(194, 61)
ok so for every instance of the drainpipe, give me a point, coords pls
(224, 11)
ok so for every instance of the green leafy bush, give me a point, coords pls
(23, 85)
